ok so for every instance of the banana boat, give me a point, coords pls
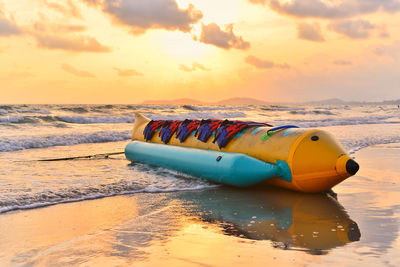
(306, 160)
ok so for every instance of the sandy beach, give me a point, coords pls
(220, 226)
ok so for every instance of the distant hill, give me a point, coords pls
(391, 102)
(237, 101)
(337, 101)
(241, 101)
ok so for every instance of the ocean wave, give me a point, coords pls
(158, 107)
(280, 108)
(6, 107)
(34, 111)
(75, 109)
(210, 108)
(314, 112)
(67, 119)
(307, 123)
(95, 119)
(120, 119)
(27, 119)
(11, 119)
(335, 108)
(197, 115)
(13, 143)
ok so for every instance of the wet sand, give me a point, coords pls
(221, 226)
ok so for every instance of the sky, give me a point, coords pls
(128, 51)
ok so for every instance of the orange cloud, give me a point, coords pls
(47, 26)
(310, 32)
(127, 72)
(75, 44)
(76, 72)
(212, 34)
(264, 64)
(68, 8)
(261, 2)
(342, 62)
(354, 29)
(331, 9)
(151, 14)
(92, 2)
(390, 51)
(195, 66)
(8, 28)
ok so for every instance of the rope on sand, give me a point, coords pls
(103, 155)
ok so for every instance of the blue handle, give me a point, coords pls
(282, 127)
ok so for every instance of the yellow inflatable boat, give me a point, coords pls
(307, 160)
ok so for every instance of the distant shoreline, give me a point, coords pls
(253, 101)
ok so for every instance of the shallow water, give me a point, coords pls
(221, 226)
(32, 132)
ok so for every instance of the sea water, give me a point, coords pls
(29, 133)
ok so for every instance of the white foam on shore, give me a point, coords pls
(141, 179)
(89, 120)
(13, 143)
(29, 203)
(354, 145)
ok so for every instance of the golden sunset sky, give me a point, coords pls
(127, 51)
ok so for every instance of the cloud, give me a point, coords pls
(75, 44)
(310, 32)
(68, 8)
(62, 35)
(261, 2)
(383, 33)
(331, 9)
(94, 3)
(342, 62)
(264, 64)
(354, 29)
(8, 28)
(195, 66)
(15, 74)
(127, 72)
(391, 51)
(212, 34)
(151, 14)
(68, 27)
(76, 72)
(45, 25)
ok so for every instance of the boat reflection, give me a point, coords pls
(314, 222)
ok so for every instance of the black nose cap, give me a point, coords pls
(352, 167)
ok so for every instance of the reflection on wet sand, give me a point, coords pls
(311, 222)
